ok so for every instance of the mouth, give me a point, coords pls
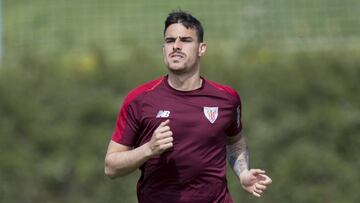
(177, 55)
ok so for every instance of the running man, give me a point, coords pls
(180, 128)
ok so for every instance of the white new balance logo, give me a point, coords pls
(163, 114)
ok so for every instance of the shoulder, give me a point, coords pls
(142, 89)
(229, 90)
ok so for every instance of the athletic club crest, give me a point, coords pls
(211, 113)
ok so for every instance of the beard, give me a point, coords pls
(177, 68)
(182, 69)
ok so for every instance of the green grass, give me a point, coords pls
(116, 26)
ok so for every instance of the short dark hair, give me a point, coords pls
(186, 19)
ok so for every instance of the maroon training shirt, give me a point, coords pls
(194, 170)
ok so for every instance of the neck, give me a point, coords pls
(185, 82)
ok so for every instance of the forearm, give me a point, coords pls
(125, 162)
(238, 156)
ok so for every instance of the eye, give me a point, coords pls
(186, 39)
(169, 40)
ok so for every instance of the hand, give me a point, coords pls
(255, 181)
(161, 139)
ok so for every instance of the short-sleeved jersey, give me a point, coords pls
(194, 169)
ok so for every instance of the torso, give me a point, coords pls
(201, 120)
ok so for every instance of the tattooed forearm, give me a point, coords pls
(238, 156)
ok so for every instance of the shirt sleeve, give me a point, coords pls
(236, 121)
(127, 124)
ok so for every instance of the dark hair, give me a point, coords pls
(187, 20)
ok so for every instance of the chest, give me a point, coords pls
(200, 119)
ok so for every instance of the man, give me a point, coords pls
(180, 128)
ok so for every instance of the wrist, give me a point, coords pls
(243, 174)
(148, 153)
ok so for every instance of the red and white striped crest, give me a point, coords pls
(211, 113)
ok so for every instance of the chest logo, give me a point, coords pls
(163, 114)
(211, 113)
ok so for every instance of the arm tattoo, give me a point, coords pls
(238, 156)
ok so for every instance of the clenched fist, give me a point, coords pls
(161, 139)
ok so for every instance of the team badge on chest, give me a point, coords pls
(211, 113)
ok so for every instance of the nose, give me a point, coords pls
(177, 44)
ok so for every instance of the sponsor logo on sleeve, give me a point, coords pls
(238, 121)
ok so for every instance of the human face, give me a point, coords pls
(181, 49)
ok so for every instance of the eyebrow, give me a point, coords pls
(181, 38)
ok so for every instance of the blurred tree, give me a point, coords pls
(300, 110)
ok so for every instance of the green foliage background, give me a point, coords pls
(301, 114)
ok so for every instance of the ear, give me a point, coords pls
(202, 49)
